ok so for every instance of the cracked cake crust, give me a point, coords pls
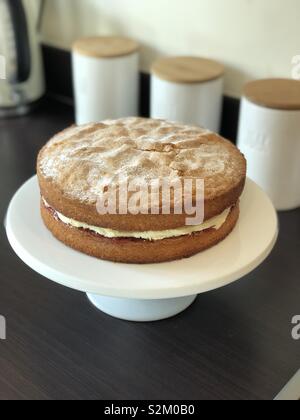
(73, 165)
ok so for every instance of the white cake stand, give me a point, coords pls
(147, 292)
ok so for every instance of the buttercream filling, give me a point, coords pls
(214, 223)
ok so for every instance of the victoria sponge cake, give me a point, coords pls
(90, 164)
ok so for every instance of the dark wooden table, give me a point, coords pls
(233, 343)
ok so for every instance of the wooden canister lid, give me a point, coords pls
(281, 94)
(187, 69)
(105, 46)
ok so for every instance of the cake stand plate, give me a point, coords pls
(143, 292)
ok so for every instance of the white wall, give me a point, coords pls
(254, 38)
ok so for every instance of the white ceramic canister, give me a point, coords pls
(269, 136)
(188, 90)
(106, 78)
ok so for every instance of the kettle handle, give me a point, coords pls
(22, 42)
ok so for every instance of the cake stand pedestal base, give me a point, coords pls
(149, 292)
(141, 310)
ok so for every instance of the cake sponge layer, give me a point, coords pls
(137, 251)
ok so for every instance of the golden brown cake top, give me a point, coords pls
(80, 159)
